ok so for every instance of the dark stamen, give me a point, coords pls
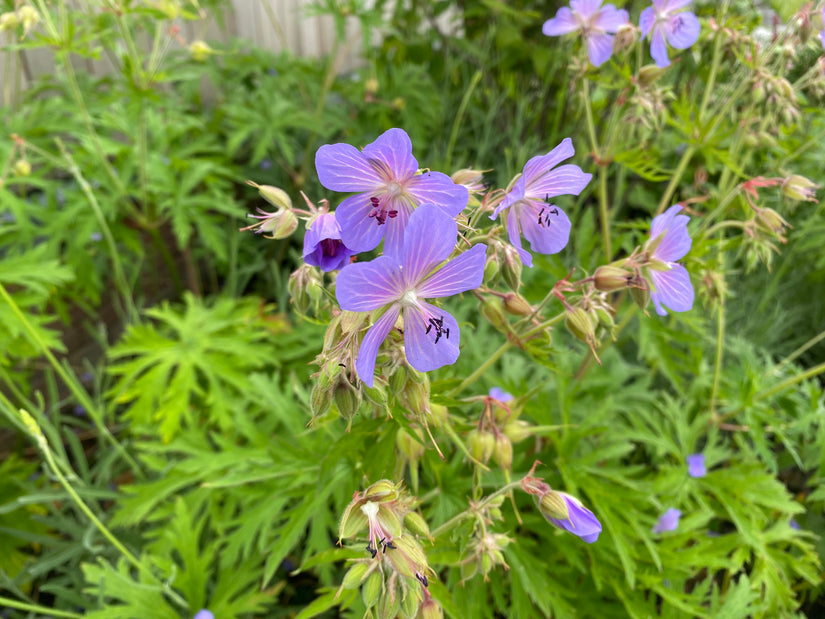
(438, 325)
(379, 212)
(371, 550)
(422, 579)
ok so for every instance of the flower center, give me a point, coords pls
(546, 213)
(380, 212)
(409, 299)
(329, 247)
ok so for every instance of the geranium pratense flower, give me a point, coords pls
(669, 521)
(400, 283)
(389, 189)
(323, 246)
(570, 515)
(545, 225)
(667, 21)
(696, 465)
(595, 23)
(669, 241)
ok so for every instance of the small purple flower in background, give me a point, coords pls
(696, 465)
(402, 281)
(545, 225)
(204, 614)
(670, 241)
(666, 21)
(594, 21)
(96, 237)
(822, 34)
(794, 524)
(497, 393)
(322, 244)
(579, 521)
(384, 175)
(668, 522)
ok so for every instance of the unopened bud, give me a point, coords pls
(409, 604)
(553, 505)
(503, 452)
(480, 445)
(354, 576)
(371, 86)
(200, 50)
(517, 430)
(493, 310)
(608, 278)
(398, 103)
(624, 39)
(430, 609)
(650, 73)
(438, 415)
(347, 398)
(416, 523)
(9, 21)
(579, 323)
(511, 268)
(491, 269)
(382, 490)
(398, 380)
(516, 304)
(22, 168)
(388, 606)
(297, 286)
(377, 394)
(798, 187)
(274, 195)
(641, 293)
(771, 220)
(372, 589)
(321, 397)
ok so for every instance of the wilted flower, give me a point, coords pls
(568, 513)
(696, 465)
(666, 21)
(545, 225)
(400, 283)
(323, 246)
(669, 521)
(670, 241)
(389, 189)
(278, 225)
(594, 21)
(798, 187)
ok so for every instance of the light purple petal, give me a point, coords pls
(682, 30)
(438, 188)
(394, 228)
(204, 614)
(514, 233)
(696, 465)
(391, 155)
(563, 23)
(465, 272)
(674, 5)
(822, 35)
(581, 521)
(610, 19)
(365, 286)
(673, 289)
(585, 8)
(322, 245)
(514, 195)
(551, 235)
(342, 167)
(646, 20)
(564, 180)
(658, 47)
(668, 522)
(676, 241)
(599, 48)
(359, 231)
(662, 222)
(538, 166)
(428, 240)
(365, 363)
(423, 352)
(497, 393)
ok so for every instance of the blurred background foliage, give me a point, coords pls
(157, 350)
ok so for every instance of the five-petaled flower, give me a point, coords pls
(323, 246)
(596, 23)
(669, 521)
(696, 465)
(666, 20)
(669, 242)
(545, 225)
(389, 188)
(400, 282)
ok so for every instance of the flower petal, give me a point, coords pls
(551, 235)
(696, 465)
(359, 231)
(683, 30)
(423, 352)
(675, 5)
(599, 48)
(610, 19)
(465, 272)
(394, 228)
(585, 8)
(673, 289)
(542, 164)
(365, 286)
(669, 521)
(565, 180)
(438, 188)
(393, 150)
(676, 241)
(514, 195)
(428, 239)
(514, 232)
(658, 47)
(646, 20)
(564, 22)
(365, 363)
(342, 167)
(581, 521)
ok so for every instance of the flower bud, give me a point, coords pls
(503, 452)
(493, 310)
(377, 394)
(354, 576)
(409, 604)
(417, 396)
(553, 505)
(297, 288)
(491, 269)
(516, 304)
(22, 168)
(517, 430)
(416, 523)
(409, 446)
(608, 278)
(389, 605)
(770, 219)
(276, 196)
(372, 589)
(430, 610)
(649, 74)
(347, 398)
(398, 380)
(511, 267)
(371, 86)
(624, 39)
(9, 21)
(580, 325)
(480, 445)
(641, 294)
(799, 188)
(438, 415)
(200, 50)
(319, 400)
(382, 490)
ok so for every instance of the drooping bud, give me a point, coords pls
(772, 221)
(430, 609)
(517, 430)
(481, 444)
(492, 309)
(553, 505)
(578, 322)
(503, 452)
(276, 196)
(320, 398)
(798, 187)
(416, 523)
(372, 589)
(516, 304)
(609, 278)
(491, 269)
(347, 398)
(438, 415)
(511, 267)
(354, 576)
(200, 50)
(22, 167)
(640, 293)
(624, 39)
(649, 74)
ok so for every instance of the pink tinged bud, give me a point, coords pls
(610, 278)
(430, 610)
(580, 521)
(669, 521)
(696, 465)
(799, 188)
(382, 490)
(516, 304)
(408, 558)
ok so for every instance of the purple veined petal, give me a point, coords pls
(682, 30)
(585, 8)
(658, 47)
(564, 180)
(359, 231)
(581, 521)
(546, 226)
(610, 19)
(424, 353)
(673, 289)
(462, 273)
(514, 195)
(323, 246)
(822, 35)
(669, 521)
(365, 286)
(672, 5)
(514, 233)
(342, 167)
(676, 241)
(540, 165)
(394, 228)
(599, 48)
(393, 149)
(564, 22)
(377, 333)
(438, 188)
(646, 20)
(696, 465)
(662, 222)
(428, 240)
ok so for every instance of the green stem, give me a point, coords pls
(481, 369)
(35, 608)
(675, 179)
(465, 100)
(69, 380)
(809, 344)
(714, 67)
(720, 339)
(597, 155)
(793, 380)
(455, 520)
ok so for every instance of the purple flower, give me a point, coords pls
(580, 520)
(400, 282)
(497, 393)
(665, 21)
(794, 524)
(822, 34)
(322, 244)
(594, 22)
(545, 225)
(204, 614)
(696, 465)
(384, 175)
(670, 242)
(668, 522)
